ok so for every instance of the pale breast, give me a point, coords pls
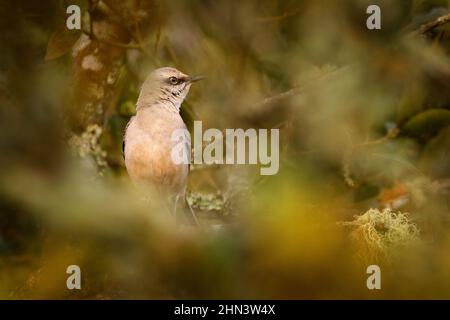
(148, 147)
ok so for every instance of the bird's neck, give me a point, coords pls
(161, 100)
(157, 110)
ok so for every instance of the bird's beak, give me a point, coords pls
(195, 79)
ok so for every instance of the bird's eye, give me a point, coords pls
(173, 80)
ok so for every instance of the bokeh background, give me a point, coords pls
(364, 119)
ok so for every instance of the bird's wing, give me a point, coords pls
(188, 148)
(123, 140)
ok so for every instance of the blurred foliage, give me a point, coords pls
(364, 119)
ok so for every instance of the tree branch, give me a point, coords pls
(427, 27)
(434, 24)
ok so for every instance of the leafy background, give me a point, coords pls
(364, 119)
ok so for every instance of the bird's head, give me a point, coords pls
(167, 86)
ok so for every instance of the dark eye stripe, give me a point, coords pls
(175, 80)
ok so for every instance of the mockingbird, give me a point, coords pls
(148, 136)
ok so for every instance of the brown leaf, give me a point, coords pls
(394, 197)
(61, 42)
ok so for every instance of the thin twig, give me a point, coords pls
(434, 24)
(169, 48)
(297, 89)
(392, 133)
(346, 172)
(280, 17)
(427, 27)
(158, 37)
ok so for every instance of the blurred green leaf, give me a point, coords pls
(428, 122)
(412, 101)
(127, 109)
(435, 159)
(365, 192)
